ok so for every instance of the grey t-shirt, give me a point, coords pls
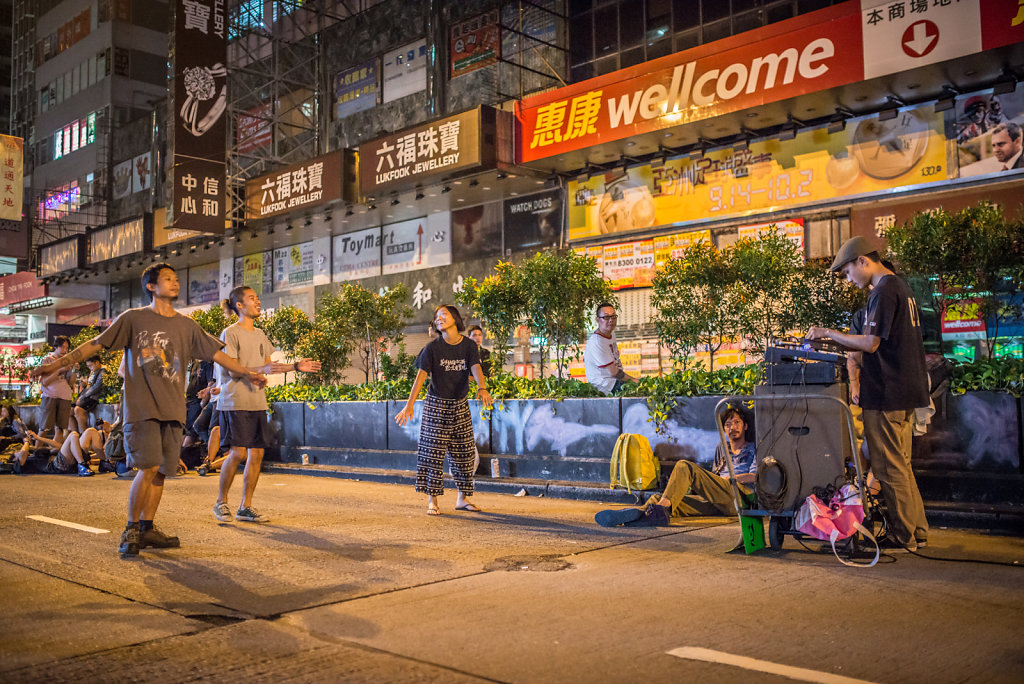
(157, 351)
(251, 348)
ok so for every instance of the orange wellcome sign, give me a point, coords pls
(802, 55)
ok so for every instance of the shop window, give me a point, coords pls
(822, 237)
(747, 21)
(804, 6)
(716, 31)
(744, 5)
(631, 27)
(579, 6)
(581, 72)
(606, 65)
(687, 40)
(606, 23)
(778, 12)
(630, 57)
(581, 39)
(685, 15)
(659, 49)
(713, 10)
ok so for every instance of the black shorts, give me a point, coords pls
(87, 404)
(247, 429)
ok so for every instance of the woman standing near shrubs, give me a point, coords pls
(446, 427)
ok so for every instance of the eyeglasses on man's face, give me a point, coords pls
(612, 316)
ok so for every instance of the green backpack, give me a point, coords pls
(633, 463)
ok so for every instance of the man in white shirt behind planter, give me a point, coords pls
(601, 356)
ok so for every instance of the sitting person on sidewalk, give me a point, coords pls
(65, 456)
(89, 399)
(694, 491)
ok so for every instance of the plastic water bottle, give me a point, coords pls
(305, 459)
(495, 468)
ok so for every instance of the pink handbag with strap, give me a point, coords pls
(842, 518)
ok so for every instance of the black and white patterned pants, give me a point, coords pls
(446, 427)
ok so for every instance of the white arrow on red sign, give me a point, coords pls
(920, 38)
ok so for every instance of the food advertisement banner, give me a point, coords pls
(293, 266)
(868, 156)
(634, 264)
(475, 43)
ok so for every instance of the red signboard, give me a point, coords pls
(809, 53)
(20, 287)
(836, 46)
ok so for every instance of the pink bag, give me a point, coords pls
(842, 518)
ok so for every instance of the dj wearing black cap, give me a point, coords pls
(893, 383)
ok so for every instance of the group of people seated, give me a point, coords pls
(75, 451)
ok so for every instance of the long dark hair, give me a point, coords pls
(456, 316)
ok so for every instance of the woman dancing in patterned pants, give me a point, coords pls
(446, 427)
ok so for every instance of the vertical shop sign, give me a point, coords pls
(12, 158)
(475, 43)
(200, 99)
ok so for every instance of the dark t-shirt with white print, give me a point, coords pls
(157, 352)
(893, 378)
(448, 366)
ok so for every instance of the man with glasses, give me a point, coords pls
(601, 356)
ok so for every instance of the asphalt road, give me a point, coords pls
(351, 581)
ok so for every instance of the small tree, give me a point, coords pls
(821, 298)
(213, 320)
(765, 270)
(110, 359)
(562, 290)
(353, 321)
(285, 328)
(697, 303)
(973, 254)
(500, 302)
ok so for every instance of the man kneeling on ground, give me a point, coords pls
(694, 491)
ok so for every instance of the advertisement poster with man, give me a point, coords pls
(986, 129)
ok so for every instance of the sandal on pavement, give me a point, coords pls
(432, 510)
(472, 508)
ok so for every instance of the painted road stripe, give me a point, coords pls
(65, 523)
(709, 656)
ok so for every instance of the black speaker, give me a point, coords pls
(802, 442)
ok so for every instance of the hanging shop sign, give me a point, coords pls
(12, 160)
(405, 70)
(120, 239)
(836, 46)
(63, 255)
(355, 89)
(20, 287)
(200, 99)
(475, 43)
(357, 254)
(305, 185)
(868, 157)
(533, 221)
(293, 266)
(416, 244)
(464, 142)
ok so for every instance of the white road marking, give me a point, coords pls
(710, 656)
(65, 523)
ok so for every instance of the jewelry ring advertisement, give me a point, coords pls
(200, 100)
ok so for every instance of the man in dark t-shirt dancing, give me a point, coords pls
(893, 382)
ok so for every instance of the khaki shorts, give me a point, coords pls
(151, 443)
(55, 412)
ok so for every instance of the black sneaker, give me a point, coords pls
(654, 516)
(890, 545)
(129, 542)
(158, 540)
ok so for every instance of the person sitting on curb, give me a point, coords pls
(65, 458)
(89, 399)
(694, 491)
